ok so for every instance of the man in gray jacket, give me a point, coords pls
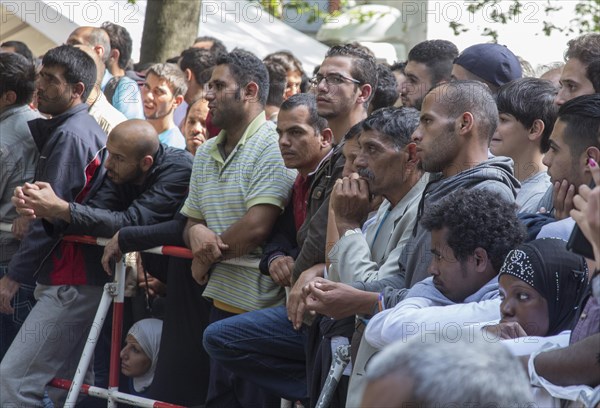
(457, 122)
(18, 158)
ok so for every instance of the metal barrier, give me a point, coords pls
(115, 290)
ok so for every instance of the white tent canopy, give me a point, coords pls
(43, 24)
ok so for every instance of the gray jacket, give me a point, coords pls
(18, 158)
(495, 174)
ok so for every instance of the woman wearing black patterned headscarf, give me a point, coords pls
(541, 285)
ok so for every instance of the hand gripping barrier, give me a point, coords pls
(115, 291)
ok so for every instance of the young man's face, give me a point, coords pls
(157, 97)
(55, 95)
(336, 99)
(561, 163)
(302, 147)
(452, 277)
(510, 137)
(292, 86)
(435, 137)
(418, 83)
(573, 82)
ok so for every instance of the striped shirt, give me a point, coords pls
(223, 190)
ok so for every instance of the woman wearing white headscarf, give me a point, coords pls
(139, 356)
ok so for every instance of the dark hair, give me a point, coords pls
(476, 219)
(529, 99)
(172, 74)
(119, 40)
(217, 47)
(397, 124)
(364, 67)
(386, 93)
(198, 61)
(246, 67)
(585, 48)
(398, 66)
(593, 74)
(77, 65)
(359, 46)
(354, 131)
(317, 122)
(471, 96)
(20, 48)
(277, 82)
(17, 74)
(582, 118)
(287, 59)
(437, 55)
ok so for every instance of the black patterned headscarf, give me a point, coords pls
(557, 274)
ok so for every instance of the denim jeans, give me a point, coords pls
(261, 347)
(22, 304)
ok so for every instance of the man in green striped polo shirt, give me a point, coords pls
(239, 186)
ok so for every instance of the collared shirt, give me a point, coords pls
(105, 114)
(222, 190)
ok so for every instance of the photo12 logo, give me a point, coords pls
(90, 12)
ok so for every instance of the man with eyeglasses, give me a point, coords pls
(343, 88)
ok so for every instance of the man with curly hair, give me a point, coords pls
(575, 78)
(472, 231)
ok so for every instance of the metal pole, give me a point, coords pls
(88, 350)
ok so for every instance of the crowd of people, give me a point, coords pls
(439, 218)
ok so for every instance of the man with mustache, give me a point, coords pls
(457, 121)
(343, 88)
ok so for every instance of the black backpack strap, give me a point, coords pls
(111, 88)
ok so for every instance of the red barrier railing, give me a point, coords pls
(115, 291)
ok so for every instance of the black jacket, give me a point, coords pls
(115, 206)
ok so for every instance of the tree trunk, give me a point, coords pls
(170, 27)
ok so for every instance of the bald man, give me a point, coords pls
(139, 170)
(100, 108)
(124, 93)
(145, 183)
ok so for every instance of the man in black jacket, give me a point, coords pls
(145, 183)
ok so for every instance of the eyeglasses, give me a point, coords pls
(332, 79)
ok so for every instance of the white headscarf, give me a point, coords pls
(147, 332)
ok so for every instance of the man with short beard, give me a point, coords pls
(71, 154)
(162, 93)
(343, 87)
(429, 64)
(144, 183)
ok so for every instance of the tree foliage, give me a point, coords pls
(587, 13)
(587, 16)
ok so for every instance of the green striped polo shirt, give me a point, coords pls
(222, 191)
